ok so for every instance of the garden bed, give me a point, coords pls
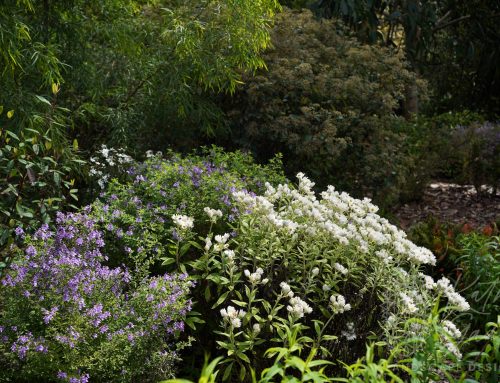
(452, 203)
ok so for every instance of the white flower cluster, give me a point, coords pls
(256, 278)
(451, 329)
(183, 222)
(229, 256)
(151, 154)
(345, 219)
(208, 244)
(341, 269)
(297, 308)
(105, 160)
(453, 349)
(384, 256)
(444, 286)
(232, 316)
(409, 303)
(256, 328)
(213, 214)
(221, 242)
(338, 304)
(429, 282)
(286, 290)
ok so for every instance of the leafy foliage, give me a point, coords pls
(471, 260)
(328, 103)
(37, 173)
(478, 145)
(38, 165)
(452, 43)
(132, 68)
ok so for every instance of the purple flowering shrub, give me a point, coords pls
(67, 316)
(136, 216)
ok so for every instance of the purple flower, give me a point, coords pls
(19, 231)
(30, 251)
(49, 315)
(41, 348)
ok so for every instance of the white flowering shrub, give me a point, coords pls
(108, 163)
(326, 273)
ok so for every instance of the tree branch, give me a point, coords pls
(451, 22)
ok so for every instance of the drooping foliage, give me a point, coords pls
(129, 66)
(38, 165)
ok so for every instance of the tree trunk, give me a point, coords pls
(412, 36)
(411, 100)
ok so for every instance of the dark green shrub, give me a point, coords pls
(478, 145)
(37, 171)
(329, 104)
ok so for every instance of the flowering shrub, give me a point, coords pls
(326, 274)
(141, 218)
(66, 316)
(469, 258)
(108, 163)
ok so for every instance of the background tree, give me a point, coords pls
(446, 33)
(329, 103)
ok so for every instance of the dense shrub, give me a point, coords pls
(329, 104)
(478, 145)
(37, 172)
(312, 274)
(136, 216)
(66, 316)
(461, 147)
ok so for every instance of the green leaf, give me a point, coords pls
(221, 299)
(43, 99)
(167, 261)
(12, 134)
(227, 372)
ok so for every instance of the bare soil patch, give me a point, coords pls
(452, 203)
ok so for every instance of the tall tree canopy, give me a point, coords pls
(118, 61)
(457, 40)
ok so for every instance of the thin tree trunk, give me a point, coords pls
(412, 36)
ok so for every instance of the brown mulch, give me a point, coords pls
(451, 203)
